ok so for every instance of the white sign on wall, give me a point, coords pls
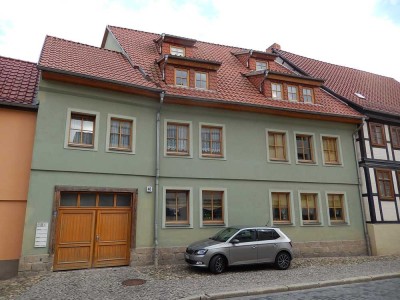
(42, 229)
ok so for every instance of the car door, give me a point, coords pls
(245, 251)
(267, 246)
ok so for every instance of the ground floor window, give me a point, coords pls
(309, 208)
(281, 207)
(177, 207)
(336, 208)
(94, 199)
(212, 207)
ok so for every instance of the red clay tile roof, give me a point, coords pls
(232, 86)
(18, 81)
(92, 62)
(381, 93)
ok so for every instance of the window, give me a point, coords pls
(281, 207)
(307, 95)
(377, 134)
(181, 77)
(261, 65)
(292, 93)
(246, 236)
(201, 80)
(277, 146)
(94, 199)
(267, 234)
(304, 148)
(213, 207)
(276, 91)
(211, 141)
(81, 130)
(178, 140)
(309, 208)
(177, 207)
(178, 51)
(385, 184)
(336, 208)
(330, 149)
(120, 134)
(395, 133)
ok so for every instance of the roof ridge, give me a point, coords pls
(17, 59)
(82, 44)
(336, 65)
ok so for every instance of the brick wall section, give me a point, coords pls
(35, 263)
(243, 58)
(256, 81)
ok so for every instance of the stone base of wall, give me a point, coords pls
(175, 255)
(35, 263)
(8, 268)
(384, 238)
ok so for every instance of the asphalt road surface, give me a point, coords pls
(388, 289)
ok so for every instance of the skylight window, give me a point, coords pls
(359, 95)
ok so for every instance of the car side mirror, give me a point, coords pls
(235, 241)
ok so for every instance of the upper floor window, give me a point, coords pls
(178, 51)
(395, 133)
(281, 207)
(177, 207)
(213, 207)
(261, 65)
(304, 147)
(385, 184)
(336, 208)
(277, 145)
(81, 130)
(276, 91)
(292, 93)
(331, 150)
(201, 80)
(307, 95)
(181, 77)
(377, 134)
(120, 134)
(178, 140)
(211, 140)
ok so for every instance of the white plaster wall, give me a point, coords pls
(397, 155)
(389, 210)
(363, 184)
(373, 181)
(365, 130)
(380, 153)
(368, 149)
(377, 210)
(387, 133)
(390, 151)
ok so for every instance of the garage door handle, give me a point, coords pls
(97, 238)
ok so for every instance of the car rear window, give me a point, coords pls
(267, 234)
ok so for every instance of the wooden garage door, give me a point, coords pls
(95, 237)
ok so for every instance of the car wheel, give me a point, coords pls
(217, 264)
(282, 261)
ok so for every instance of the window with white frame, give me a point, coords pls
(212, 138)
(281, 207)
(121, 134)
(261, 65)
(308, 95)
(292, 93)
(213, 207)
(177, 207)
(331, 150)
(304, 148)
(337, 208)
(276, 91)
(201, 80)
(178, 138)
(309, 208)
(178, 51)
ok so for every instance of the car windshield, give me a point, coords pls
(225, 234)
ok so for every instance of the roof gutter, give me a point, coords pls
(19, 106)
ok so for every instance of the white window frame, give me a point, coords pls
(133, 141)
(190, 154)
(288, 160)
(272, 95)
(171, 49)
(319, 209)
(345, 207)
(261, 62)
(224, 203)
(291, 208)
(312, 95)
(96, 114)
(339, 145)
(314, 146)
(195, 80)
(297, 93)
(179, 188)
(223, 157)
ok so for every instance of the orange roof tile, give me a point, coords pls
(381, 93)
(18, 81)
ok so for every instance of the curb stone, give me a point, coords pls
(292, 287)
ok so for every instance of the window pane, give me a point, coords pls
(87, 199)
(124, 199)
(106, 200)
(170, 203)
(69, 199)
(267, 234)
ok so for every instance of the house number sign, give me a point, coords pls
(42, 229)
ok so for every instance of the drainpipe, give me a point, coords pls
(163, 70)
(358, 159)
(262, 82)
(157, 183)
(248, 59)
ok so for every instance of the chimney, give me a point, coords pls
(273, 46)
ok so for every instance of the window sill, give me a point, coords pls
(312, 224)
(80, 147)
(215, 157)
(273, 161)
(378, 145)
(277, 223)
(343, 223)
(120, 151)
(306, 163)
(176, 154)
(333, 164)
(166, 226)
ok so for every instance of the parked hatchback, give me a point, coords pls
(239, 245)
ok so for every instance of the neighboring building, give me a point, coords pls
(378, 141)
(18, 107)
(153, 141)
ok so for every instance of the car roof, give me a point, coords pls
(239, 227)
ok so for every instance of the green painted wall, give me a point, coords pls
(245, 173)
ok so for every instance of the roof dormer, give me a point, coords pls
(255, 60)
(175, 45)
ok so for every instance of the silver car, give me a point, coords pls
(240, 245)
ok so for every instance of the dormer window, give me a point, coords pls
(276, 91)
(181, 77)
(292, 93)
(177, 51)
(261, 65)
(307, 96)
(201, 80)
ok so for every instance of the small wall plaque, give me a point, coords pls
(42, 229)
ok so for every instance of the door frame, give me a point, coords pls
(67, 188)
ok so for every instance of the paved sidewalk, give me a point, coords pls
(181, 281)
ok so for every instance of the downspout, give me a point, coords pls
(358, 159)
(163, 70)
(262, 82)
(157, 183)
(248, 59)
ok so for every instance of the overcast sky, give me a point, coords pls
(362, 34)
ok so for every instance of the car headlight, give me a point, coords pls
(200, 252)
